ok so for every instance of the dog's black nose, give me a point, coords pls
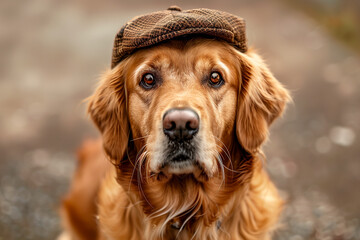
(180, 124)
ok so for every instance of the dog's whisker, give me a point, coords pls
(231, 170)
(225, 167)
(218, 157)
(143, 193)
(226, 150)
(141, 160)
(140, 180)
(139, 138)
(137, 155)
(147, 172)
(132, 176)
(142, 149)
(134, 165)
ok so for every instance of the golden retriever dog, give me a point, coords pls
(182, 125)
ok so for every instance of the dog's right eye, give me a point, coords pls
(148, 81)
(216, 80)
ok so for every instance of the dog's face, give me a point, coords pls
(182, 105)
(181, 119)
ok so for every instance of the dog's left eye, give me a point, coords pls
(216, 80)
(148, 81)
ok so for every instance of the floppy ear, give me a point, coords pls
(261, 100)
(107, 108)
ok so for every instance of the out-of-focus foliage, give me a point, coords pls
(340, 17)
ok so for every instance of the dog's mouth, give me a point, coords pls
(180, 170)
(180, 158)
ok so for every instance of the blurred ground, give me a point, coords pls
(53, 51)
(340, 17)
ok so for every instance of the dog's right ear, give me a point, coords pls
(107, 108)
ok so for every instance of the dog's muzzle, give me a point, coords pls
(180, 125)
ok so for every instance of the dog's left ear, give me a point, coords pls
(261, 100)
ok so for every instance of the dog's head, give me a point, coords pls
(185, 117)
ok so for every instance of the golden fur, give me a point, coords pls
(227, 196)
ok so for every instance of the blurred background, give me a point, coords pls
(52, 52)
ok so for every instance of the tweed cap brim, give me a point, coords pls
(154, 28)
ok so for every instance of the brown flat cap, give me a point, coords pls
(153, 28)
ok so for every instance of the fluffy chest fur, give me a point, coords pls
(250, 213)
